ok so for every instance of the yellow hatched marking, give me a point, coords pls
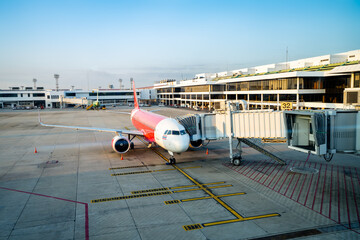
(114, 168)
(130, 173)
(172, 202)
(192, 227)
(130, 197)
(150, 190)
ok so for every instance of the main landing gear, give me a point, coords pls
(132, 145)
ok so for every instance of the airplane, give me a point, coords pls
(154, 128)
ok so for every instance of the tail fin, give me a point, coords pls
(136, 104)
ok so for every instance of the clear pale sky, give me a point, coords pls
(94, 43)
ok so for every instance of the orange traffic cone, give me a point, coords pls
(207, 151)
(35, 151)
(121, 157)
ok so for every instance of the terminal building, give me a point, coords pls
(329, 81)
(29, 97)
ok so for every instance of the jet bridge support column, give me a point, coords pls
(234, 158)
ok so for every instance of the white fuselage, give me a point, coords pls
(171, 135)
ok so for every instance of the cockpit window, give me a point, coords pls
(182, 132)
(166, 132)
(174, 132)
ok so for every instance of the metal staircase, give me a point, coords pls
(251, 143)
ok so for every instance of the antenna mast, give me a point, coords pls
(56, 76)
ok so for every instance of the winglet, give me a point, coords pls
(136, 104)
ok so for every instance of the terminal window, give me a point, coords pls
(8, 95)
(357, 80)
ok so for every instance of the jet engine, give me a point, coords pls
(196, 144)
(120, 144)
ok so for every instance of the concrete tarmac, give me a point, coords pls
(76, 186)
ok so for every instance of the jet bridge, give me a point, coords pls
(322, 132)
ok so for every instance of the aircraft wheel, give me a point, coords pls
(236, 162)
(132, 145)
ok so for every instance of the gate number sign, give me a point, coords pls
(286, 106)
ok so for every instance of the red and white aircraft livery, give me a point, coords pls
(164, 131)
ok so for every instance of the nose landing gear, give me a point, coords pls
(172, 158)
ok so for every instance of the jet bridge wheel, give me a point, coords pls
(237, 161)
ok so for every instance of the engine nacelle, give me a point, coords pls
(120, 144)
(196, 144)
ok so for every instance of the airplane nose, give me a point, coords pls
(183, 144)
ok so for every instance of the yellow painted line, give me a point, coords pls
(195, 199)
(231, 194)
(227, 207)
(262, 216)
(216, 198)
(201, 198)
(239, 220)
(196, 189)
(130, 197)
(196, 185)
(166, 188)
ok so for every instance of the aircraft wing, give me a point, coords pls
(117, 131)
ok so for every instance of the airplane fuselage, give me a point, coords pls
(166, 132)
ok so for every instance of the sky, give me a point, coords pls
(93, 43)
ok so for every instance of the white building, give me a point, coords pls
(328, 81)
(30, 98)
